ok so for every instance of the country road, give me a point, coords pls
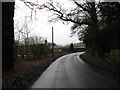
(69, 71)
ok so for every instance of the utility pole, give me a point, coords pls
(52, 42)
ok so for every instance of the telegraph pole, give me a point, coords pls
(52, 42)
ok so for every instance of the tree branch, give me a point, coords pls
(81, 6)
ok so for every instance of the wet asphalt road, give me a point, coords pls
(70, 71)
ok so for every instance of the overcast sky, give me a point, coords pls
(41, 26)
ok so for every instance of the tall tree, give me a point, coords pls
(88, 18)
(111, 24)
(7, 35)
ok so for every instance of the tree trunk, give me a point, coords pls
(7, 35)
(95, 30)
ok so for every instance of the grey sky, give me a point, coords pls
(41, 26)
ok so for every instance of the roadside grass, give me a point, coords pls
(26, 72)
(108, 65)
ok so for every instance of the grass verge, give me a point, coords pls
(111, 66)
(26, 73)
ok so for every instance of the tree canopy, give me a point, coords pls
(96, 23)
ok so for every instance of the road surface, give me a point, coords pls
(70, 71)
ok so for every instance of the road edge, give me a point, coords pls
(97, 66)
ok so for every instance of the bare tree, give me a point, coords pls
(87, 18)
(83, 15)
(60, 13)
(22, 33)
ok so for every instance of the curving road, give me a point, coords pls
(70, 71)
